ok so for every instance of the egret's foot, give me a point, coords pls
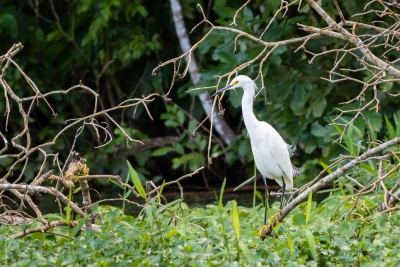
(263, 230)
(275, 218)
(274, 221)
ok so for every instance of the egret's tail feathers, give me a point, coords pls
(297, 171)
(291, 149)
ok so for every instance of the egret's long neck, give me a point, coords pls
(247, 108)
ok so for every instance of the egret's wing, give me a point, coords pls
(280, 153)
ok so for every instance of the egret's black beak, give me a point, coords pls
(223, 90)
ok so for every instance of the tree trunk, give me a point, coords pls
(220, 124)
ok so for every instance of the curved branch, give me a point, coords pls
(327, 179)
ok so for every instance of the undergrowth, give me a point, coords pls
(228, 238)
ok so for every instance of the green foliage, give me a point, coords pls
(136, 181)
(221, 194)
(123, 240)
(68, 211)
(190, 151)
(112, 46)
(309, 235)
(236, 222)
(309, 207)
(354, 142)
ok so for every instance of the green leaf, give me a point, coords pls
(337, 127)
(115, 183)
(290, 242)
(319, 106)
(226, 58)
(181, 116)
(219, 2)
(318, 130)
(55, 35)
(166, 116)
(299, 219)
(348, 229)
(304, 9)
(390, 128)
(178, 148)
(285, 88)
(325, 166)
(8, 22)
(260, 196)
(55, 217)
(136, 181)
(235, 218)
(161, 151)
(311, 244)
(68, 212)
(161, 188)
(309, 206)
(246, 251)
(38, 235)
(299, 97)
(164, 207)
(79, 225)
(372, 131)
(150, 211)
(196, 161)
(342, 189)
(171, 123)
(171, 234)
(244, 183)
(397, 123)
(224, 11)
(39, 35)
(192, 126)
(142, 10)
(375, 119)
(77, 190)
(204, 218)
(221, 194)
(368, 168)
(244, 148)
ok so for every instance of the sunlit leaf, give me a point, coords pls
(136, 181)
(235, 218)
(290, 242)
(309, 206)
(221, 194)
(311, 244)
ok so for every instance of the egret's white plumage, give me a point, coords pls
(271, 153)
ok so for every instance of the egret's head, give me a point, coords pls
(240, 81)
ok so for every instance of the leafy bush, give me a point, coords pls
(151, 239)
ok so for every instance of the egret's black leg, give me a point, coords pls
(265, 200)
(264, 228)
(283, 192)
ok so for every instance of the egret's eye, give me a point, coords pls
(234, 82)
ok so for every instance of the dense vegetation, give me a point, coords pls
(367, 239)
(112, 47)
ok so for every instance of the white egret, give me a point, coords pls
(271, 153)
